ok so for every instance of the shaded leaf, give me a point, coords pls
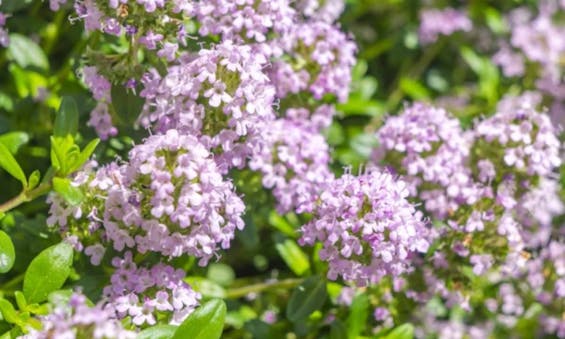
(306, 298)
(26, 52)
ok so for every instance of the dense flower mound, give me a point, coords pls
(323, 10)
(316, 118)
(178, 203)
(245, 20)
(170, 198)
(436, 22)
(221, 96)
(367, 227)
(294, 164)
(317, 59)
(428, 147)
(78, 320)
(148, 295)
(521, 145)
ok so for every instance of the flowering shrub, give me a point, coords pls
(281, 169)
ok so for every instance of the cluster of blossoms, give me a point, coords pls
(78, 320)
(149, 294)
(294, 164)
(367, 227)
(317, 59)
(531, 42)
(494, 186)
(222, 97)
(100, 118)
(170, 198)
(436, 22)
(323, 10)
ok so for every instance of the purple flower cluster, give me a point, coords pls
(78, 320)
(367, 227)
(170, 198)
(148, 294)
(244, 20)
(100, 118)
(317, 59)
(436, 22)
(222, 96)
(294, 164)
(428, 147)
(323, 10)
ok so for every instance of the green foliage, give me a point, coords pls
(207, 322)
(48, 272)
(306, 298)
(7, 253)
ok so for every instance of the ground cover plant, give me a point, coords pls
(282, 169)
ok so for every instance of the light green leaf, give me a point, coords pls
(33, 180)
(14, 140)
(221, 273)
(306, 298)
(7, 252)
(405, 331)
(10, 165)
(359, 311)
(72, 195)
(158, 332)
(293, 256)
(207, 322)
(27, 53)
(48, 272)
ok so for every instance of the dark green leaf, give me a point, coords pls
(127, 104)
(14, 140)
(48, 272)
(306, 298)
(7, 252)
(338, 330)
(72, 195)
(11, 6)
(158, 332)
(207, 322)
(27, 53)
(66, 121)
(9, 163)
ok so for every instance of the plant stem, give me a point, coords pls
(257, 288)
(25, 196)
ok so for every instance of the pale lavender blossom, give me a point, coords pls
(366, 227)
(436, 22)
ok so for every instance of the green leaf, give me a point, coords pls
(359, 311)
(14, 140)
(338, 330)
(9, 312)
(48, 272)
(7, 252)
(10, 6)
(72, 195)
(33, 180)
(127, 104)
(66, 121)
(206, 287)
(306, 298)
(414, 89)
(9, 163)
(293, 256)
(207, 322)
(27, 53)
(158, 332)
(84, 155)
(20, 300)
(405, 331)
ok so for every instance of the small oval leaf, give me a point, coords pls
(7, 252)
(207, 322)
(14, 140)
(9, 163)
(48, 272)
